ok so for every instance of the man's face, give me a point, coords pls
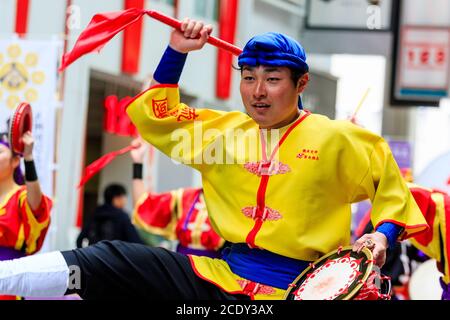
(269, 95)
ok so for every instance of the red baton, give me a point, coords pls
(174, 23)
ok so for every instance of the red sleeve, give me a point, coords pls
(42, 213)
(428, 209)
(156, 213)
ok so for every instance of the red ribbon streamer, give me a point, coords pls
(104, 26)
(100, 163)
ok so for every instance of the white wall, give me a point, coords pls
(46, 17)
(434, 13)
(432, 135)
(357, 89)
(7, 14)
(70, 153)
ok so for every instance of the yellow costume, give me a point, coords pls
(291, 198)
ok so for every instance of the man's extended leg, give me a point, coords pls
(40, 275)
(109, 270)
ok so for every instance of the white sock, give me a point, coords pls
(40, 275)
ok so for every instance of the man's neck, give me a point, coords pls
(287, 122)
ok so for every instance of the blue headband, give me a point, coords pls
(275, 50)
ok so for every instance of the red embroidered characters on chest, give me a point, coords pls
(160, 108)
(182, 113)
(307, 154)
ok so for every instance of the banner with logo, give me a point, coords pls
(28, 73)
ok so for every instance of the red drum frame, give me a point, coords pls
(340, 275)
(21, 122)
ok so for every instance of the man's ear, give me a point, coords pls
(302, 83)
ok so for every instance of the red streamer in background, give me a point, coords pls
(132, 40)
(100, 163)
(227, 32)
(22, 10)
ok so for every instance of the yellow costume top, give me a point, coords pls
(287, 191)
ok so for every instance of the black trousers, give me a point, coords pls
(121, 270)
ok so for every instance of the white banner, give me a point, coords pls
(28, 73)
(349, 14)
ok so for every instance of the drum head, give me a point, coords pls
(338, 275)
(21, 122)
